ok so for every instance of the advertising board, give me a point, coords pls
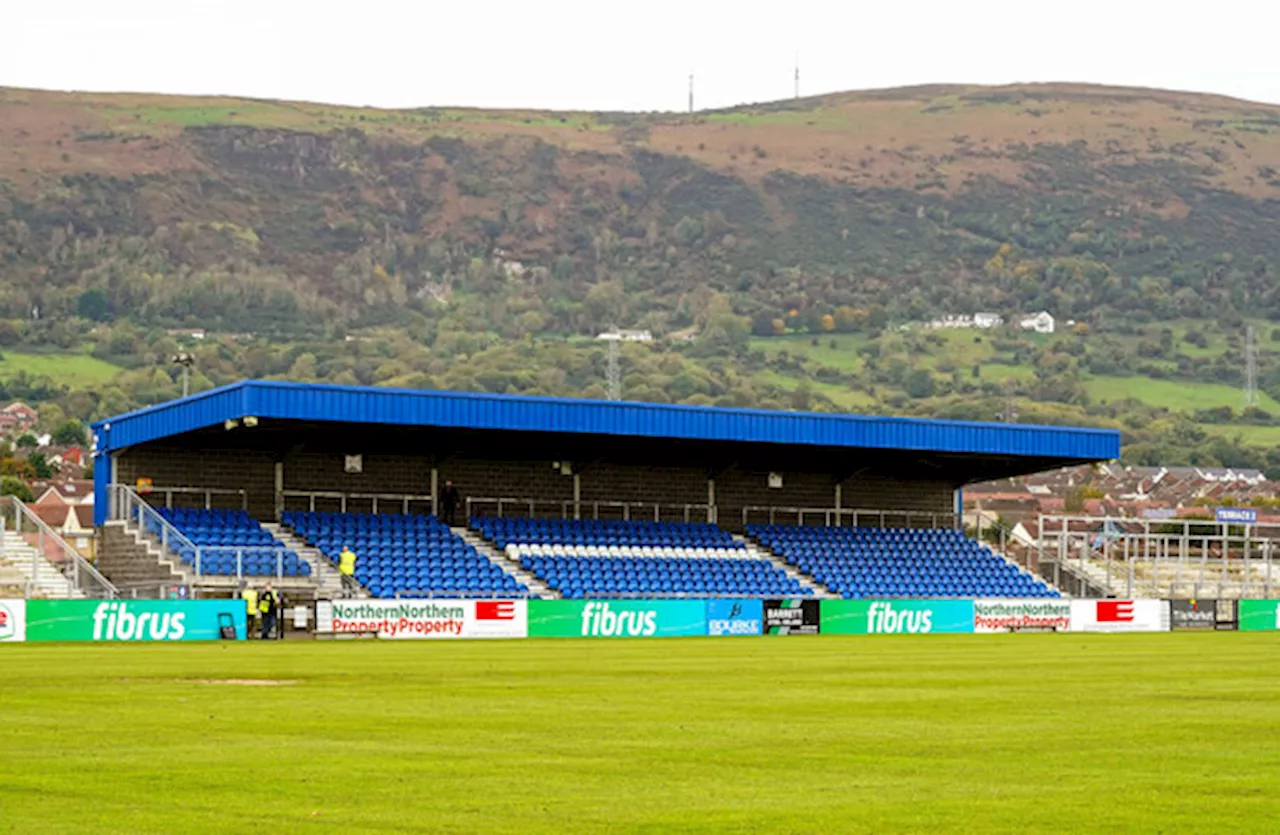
(1258, 615)
(1193, 614)
(134, 620)
(896, 617)
(1237, 515)
(1013, 615)
(1119, 616)
(735, 617)
(404, 619)
(791, 617)
(13, 620)
(616, 618)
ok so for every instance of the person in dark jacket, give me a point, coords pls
(449, 500)
(269, 606)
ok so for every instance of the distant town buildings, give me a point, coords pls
(17, 418)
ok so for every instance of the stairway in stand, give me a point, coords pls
(490, 551)
(22, 564)
(323, 570)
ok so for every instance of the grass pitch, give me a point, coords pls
(1024, 733)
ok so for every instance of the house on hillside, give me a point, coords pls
(66, 493)
(73, 522)
(1042, 322)
(621, 335)
(979, 321)
(17, 418)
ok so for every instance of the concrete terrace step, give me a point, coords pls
(20, 563)
(755, 549)
(514, 569)
(325, 574)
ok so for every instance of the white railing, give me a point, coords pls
(848, 517)
(128, 505)
(68, 561)
(1166, 558)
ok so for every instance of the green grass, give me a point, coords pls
(1177, 395)
(1170, 733)
(844, 357)
(69, 369)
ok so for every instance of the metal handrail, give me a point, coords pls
(83, 575)
(570, 509)
(437, 594)
(404, 499)
(835, 516)
(132, 507)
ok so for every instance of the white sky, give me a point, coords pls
(602, 55)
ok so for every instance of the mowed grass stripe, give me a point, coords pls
(1029, 733)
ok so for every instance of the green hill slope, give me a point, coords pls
(475, 249)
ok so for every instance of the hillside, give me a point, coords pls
(782, 245)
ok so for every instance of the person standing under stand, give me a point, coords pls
(347, 568)
(449, 500)
(268, 602)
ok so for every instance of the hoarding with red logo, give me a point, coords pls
(1119, 616)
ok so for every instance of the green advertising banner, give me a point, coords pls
(896, 617)
(1259, 615)
(616, 618)
(133, 620)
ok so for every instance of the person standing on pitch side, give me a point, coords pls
(250, 598)
(449, 500)
(268, 604)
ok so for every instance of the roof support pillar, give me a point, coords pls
(279, 490)
(435, 492)
(839, 497)
(711, 501)
(577, 496)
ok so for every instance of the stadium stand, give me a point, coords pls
(898, 562)
(228, 538)
(398, 554)
(591, 558)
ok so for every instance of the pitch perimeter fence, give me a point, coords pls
(224, 619)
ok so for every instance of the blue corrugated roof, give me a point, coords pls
(404, 407)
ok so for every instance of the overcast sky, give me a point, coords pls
(601, 55)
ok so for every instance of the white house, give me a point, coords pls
(981, 321)
(1042, 322)
(626, 336)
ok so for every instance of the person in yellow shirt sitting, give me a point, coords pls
(347, 568)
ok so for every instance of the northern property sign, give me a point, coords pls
(425, 618)
(1010, 615)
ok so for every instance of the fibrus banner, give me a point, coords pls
(896, 617)
(13, 620)
(1258, 615)
(425, 618)
(616, 618)
(1119, 616)
(735, 617)
(791, 617)
(135, 620)
(1013, 614)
